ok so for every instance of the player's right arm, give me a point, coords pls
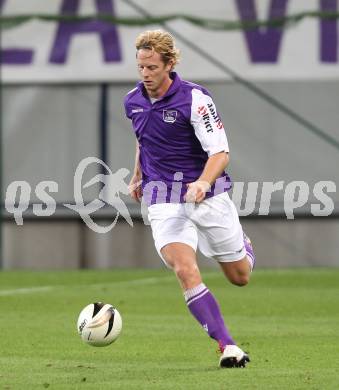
(135, 183)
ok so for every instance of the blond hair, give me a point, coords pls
(160, 41)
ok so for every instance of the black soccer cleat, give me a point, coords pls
(233, 357)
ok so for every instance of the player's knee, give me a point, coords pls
(186, 272)
(240, 280)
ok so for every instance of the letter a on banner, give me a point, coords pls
(66, 30)
(15, 56)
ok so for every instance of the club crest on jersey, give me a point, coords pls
(169, 116)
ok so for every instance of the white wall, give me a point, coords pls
(58, 245)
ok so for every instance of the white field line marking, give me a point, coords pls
(27, 290)
(32, 290)
(134, 282)
(140, 281)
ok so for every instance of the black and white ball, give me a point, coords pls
(99, 324)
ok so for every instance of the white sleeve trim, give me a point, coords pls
(216, 150)
(207, 124)
(132, 90)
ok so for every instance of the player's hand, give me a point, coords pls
(134, 188)
(196, 191)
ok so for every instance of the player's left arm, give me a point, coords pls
(215, 165)
(211, 134)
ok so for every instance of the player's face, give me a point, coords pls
(153, 72)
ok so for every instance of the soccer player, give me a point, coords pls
(181, 156)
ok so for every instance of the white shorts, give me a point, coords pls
(212, 226)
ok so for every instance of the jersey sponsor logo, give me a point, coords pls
(169, 116)
(202, 110)
(215, 116)
(137, 110)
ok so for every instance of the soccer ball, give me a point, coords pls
(99, 324)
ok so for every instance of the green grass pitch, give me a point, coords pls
(288, 320)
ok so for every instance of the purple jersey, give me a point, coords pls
(176, 135)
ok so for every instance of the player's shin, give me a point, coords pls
(205, 309)
(249, 251)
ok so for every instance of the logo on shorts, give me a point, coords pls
(169, 116)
